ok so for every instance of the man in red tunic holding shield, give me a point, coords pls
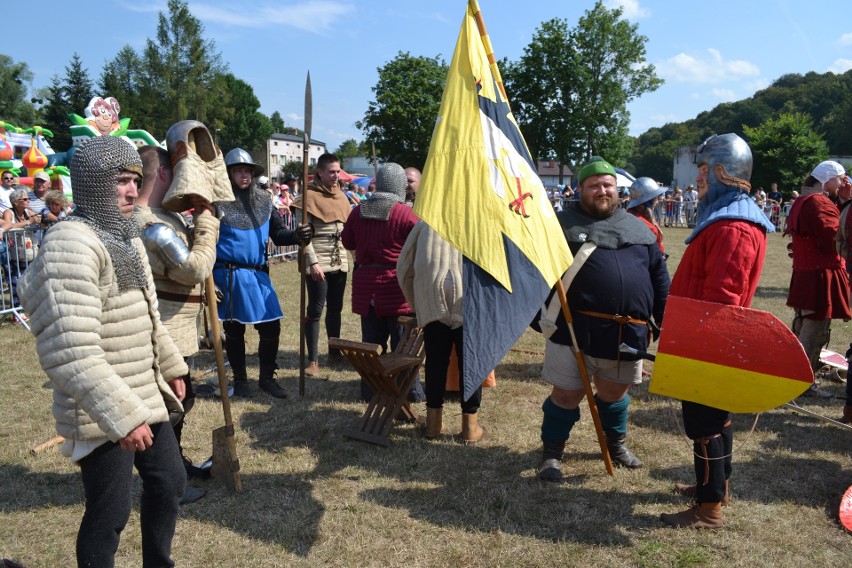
(722, 264)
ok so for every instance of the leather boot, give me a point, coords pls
(268, 383)
(689, 491)
(550, 468)
(434, 424)
(619, 453)
(700, 516)
(241, 386)
(471, 431)
(847, 414)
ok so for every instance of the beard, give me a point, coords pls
(601, 207)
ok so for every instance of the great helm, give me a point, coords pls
(728, 158)
(238, 157)
(643, 190)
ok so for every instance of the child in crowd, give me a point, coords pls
(56, 208)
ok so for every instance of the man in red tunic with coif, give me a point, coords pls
(722, 264)
(819, 286)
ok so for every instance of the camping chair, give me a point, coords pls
(389, 375)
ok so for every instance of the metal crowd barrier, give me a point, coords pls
(285, 253)
(18, 248)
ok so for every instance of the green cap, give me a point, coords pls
(596, 167)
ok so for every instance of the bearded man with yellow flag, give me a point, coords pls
(616, 287)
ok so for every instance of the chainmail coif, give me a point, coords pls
(94, 173)
(391, 184)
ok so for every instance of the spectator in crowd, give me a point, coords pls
(20, 216)
(430, 275)
(292, 182)
(56, 207)
(760, 197)
(6, 190)
(819, 285)
(283, 202)
(690, 205)
(41, 185)
(117, 378)
(241, 272)
(376, 230)
(678, 208)
(774, 196)
(327, 262)
(352, 194)
(179, 282)
(361, 192)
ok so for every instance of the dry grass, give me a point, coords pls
(314, 498)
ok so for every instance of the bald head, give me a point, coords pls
(413, 177)
(156, 175)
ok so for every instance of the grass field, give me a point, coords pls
(314, 498)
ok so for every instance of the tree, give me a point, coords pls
(540, 90)
(295, 167)
(407, 99)
(120, 79)
(78, 90)
(55, 115)
(14, 107)
(347, 149)
(247, 128)
(571, 87)
(277, 121)
(784, 150)
(610, 70)
(181, 71)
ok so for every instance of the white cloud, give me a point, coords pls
(632, 9)
(313, 15)
(841, 66)
(294, 117)
(684, 68)
(845, 40)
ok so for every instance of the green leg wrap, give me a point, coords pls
(558, 422)
(613, 415)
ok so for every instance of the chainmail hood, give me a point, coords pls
(391, 183)
(94, 172)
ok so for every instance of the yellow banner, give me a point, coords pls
(479, 181)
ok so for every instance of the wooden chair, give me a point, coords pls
(389, 375)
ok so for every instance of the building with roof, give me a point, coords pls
(282, 149)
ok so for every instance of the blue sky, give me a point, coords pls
(707, 52)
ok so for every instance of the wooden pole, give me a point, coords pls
(584, 374)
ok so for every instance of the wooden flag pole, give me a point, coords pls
(584, 373)
(560, 289)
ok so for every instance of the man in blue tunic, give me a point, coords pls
(241, 272)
